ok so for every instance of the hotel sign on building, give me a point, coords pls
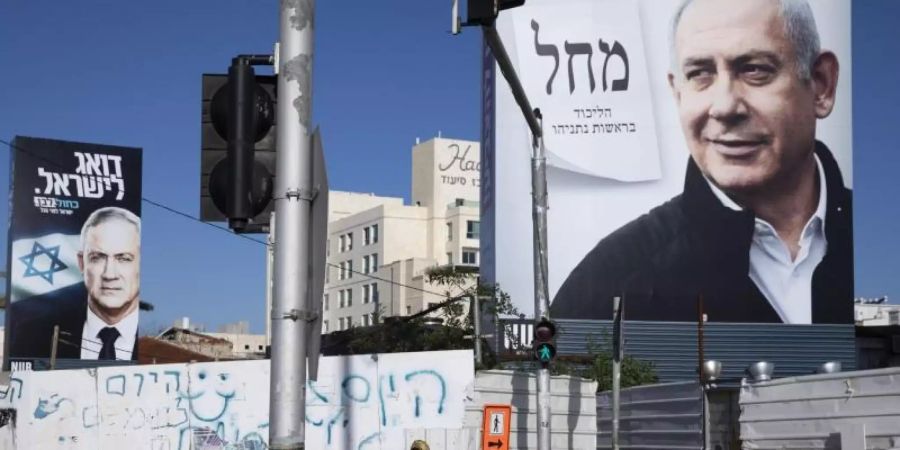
(445, 170)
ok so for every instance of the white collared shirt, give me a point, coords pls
(786, 283)
(90, 335)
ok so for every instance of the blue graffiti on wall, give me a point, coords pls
(358, 389)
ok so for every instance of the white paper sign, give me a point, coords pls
(583, 65)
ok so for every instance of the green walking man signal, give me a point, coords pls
(544, 347)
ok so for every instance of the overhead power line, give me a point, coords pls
(243, 236)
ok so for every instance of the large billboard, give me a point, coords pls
(696, 149)
(74, 250)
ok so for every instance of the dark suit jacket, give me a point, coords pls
(694, 246)
(31, 323)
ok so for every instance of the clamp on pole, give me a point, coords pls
(295, 315)
(301, 194)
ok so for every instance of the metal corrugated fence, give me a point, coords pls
(659, 416)
(672, 346)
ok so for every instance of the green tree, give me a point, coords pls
(414, 333)
(634, 372)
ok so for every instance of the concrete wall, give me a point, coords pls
(573, 409)
(365, 402)
(818, 411)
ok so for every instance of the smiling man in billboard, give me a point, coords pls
(762, 231)
(99, 318)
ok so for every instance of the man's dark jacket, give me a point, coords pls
(31, 323)
(694, 245)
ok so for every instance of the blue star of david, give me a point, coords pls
(56, 264)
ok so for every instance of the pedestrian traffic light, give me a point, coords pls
(238, 146)
(484, 12)
(544, 345)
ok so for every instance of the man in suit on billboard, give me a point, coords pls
(98, 319)
(762, 230)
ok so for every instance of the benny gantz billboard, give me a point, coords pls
(74, 250)
(697, 149)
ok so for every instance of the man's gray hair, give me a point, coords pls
(106, 214)
(799, 25)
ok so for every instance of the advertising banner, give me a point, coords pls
(696, 150)
(74, 250)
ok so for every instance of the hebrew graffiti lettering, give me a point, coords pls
(179, 407)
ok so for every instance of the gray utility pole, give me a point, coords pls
(476, 324)
(270, 269)
(293, 197)
(539, 220)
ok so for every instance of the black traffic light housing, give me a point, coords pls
(238, 146)
(484, 12)
(544, 344)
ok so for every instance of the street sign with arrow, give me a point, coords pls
(495, 427)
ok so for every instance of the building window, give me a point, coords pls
(374, 292)
(470, 256)
(449, 258)
(350, 269)
(367, 293)
(370, 263)
(473, 229)
(349, 241)
(341, 323)
(408, 310)
(372, 319)
(349, 297)
(260, 347)
(342, 270)
(343, 243)
(342, 298)
(324, 326)
(349, 322)
(365, 320)
(325, 303)
(370, 234)
(449, 231)
(894, 318)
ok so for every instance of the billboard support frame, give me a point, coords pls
(539, 219)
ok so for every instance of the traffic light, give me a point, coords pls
(544, 345)
(484, 12)
(238, 146)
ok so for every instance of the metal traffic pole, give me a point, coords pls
(539, 219)
(541, 293)
(293, 197)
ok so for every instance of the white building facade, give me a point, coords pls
(876, 312)
(379, 248)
